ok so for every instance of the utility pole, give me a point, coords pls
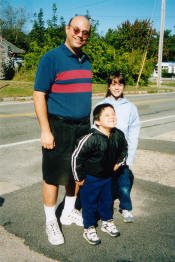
(0, 33)
(161, 44)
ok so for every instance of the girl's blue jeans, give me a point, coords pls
(122, 182)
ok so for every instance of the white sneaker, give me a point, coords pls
(127, 216)
(74, 217)
(90, 235)
(110, 228)
(55, 237)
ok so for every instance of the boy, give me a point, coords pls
(97, 155)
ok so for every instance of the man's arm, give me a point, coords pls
(47, 138)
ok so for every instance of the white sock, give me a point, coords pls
(69, 205)
(50, 213)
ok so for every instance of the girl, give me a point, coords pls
(128, 122)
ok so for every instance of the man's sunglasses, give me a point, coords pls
(77, 30)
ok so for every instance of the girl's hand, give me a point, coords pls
(80, 183)
(115, 167)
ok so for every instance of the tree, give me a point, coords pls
(102, 57)
(128, 37)
(38, 29)
(8, 70)
(43, 39)
(12, 22)
(169, 47)
(131, 41)
(55, 33)
(53, 22)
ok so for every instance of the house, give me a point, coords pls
(169, 66)
(8, 52)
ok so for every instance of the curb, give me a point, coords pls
(20, 98)
(29, 98)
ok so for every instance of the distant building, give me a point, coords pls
(8, 52)
(169, 66)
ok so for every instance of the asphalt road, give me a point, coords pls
(157, 113)
(150, 238)
(20, 152)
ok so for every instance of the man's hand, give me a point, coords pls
(80, 183)
(115, 167)
(47, 140)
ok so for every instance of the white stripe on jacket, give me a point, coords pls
(75, 154)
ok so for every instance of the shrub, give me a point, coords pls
(8, 69)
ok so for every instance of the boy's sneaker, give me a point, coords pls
(110, 228)
(54, 234)
(74, 217)
(90, 235)
(127, 216)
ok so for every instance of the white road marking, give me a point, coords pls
(20, 143)
(155, 119)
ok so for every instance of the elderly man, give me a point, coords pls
(62, 99)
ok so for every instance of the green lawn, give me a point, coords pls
(9, 88)
(15, 88)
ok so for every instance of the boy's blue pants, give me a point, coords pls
(96, 198)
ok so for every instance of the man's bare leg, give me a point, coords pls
(50, 193)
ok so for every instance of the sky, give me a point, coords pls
(109, 13)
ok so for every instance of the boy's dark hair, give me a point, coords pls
(111, 77)
(99, 109)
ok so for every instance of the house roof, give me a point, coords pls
(12, 47)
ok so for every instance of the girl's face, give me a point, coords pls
(116, 88)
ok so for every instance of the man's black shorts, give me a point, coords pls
(56, 163)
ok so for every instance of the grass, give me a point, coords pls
(101, 88)
(29, 75)
(10, 88)
(169, 84)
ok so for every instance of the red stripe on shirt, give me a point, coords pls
(73, 74)
(71, 88)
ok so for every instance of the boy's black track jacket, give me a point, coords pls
(96, 154)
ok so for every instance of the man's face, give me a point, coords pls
(77, 33)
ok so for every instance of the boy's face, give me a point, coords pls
(116, 88)
(107, 119)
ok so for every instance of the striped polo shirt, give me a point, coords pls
(67, 82)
